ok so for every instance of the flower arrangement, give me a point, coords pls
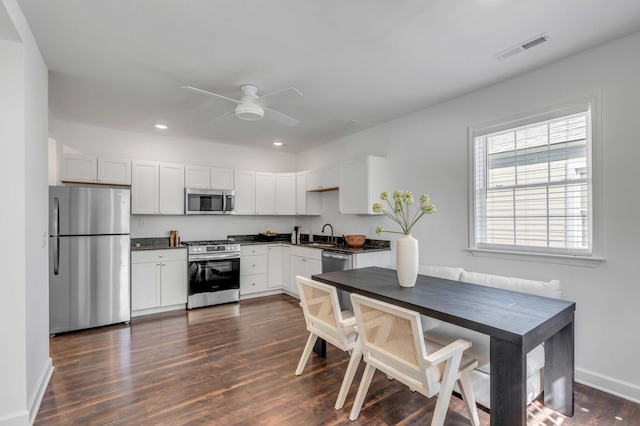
(399, 210)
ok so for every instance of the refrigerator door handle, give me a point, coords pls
(56, 216)
(56, 256)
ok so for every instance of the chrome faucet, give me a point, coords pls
(329, 225)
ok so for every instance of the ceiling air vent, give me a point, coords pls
(514, 50)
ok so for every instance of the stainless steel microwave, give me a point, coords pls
(209, 201)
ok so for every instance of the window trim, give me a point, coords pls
(542, 114)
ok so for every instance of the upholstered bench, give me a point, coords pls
(442, 332)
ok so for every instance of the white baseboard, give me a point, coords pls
(19, 418)
(36, 397)
(619, 388)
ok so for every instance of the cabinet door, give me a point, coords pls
(174, 282)
(145, 285)
(197, 177)
(265, 193)
(244, 183)
(221, 178)
(286, 269)
(301, 193)
(361, 182)
(313, 180)
(144, 187)
(286, 193)
(329, 178)
(78, 168)
(314, 267)
(116, 171)
(275, 272)
(171, 188)
(354, 187)
(298, 267)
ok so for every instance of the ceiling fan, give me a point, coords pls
(252, 107)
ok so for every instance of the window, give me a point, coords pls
(533, 183)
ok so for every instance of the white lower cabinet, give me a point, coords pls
(158, 280)
(253, 269)
(305, 262)
(278, 267)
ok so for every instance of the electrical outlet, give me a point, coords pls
(44, 239)
(141, 223)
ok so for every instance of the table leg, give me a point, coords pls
(320, 347)
(508, 383)
(559, 371)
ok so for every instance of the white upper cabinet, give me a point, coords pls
(78, 168)
(157, 188)
(208, 177)
(265, 193)
(91, 169)
(171, 188)
(145, 178)
(115, 171)
(285, 196)
(323, 179)
(245, 188)
(361, 182)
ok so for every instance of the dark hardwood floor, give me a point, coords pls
(234, 365)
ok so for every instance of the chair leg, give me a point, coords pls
(362, 391)
(306, 353)
(464, 383)
(356, 355)
(446, 388)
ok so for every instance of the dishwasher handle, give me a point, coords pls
(333, 255)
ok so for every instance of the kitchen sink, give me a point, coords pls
(321, 245)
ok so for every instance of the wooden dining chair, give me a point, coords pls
(324, 319)
(392, 341)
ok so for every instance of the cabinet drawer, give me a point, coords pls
(158, 255)
(251, 250)
(250, 265)
(253, 283)
(308, 252)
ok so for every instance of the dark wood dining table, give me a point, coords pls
(516, 323)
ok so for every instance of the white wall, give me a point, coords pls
(427, 153)
(25, 366)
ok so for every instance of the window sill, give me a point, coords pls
(590, 262)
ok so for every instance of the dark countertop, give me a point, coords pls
(340, 246)
(162, 243)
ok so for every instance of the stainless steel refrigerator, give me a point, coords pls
(88, 257)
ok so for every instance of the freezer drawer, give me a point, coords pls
(88, 282)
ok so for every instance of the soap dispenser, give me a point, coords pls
(294, 235)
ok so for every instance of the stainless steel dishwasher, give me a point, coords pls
(333, 261)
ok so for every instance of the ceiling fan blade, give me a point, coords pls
(280, 117)
(224, 116)
(204, 92)
(278, 97)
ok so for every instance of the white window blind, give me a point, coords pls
(533, 184)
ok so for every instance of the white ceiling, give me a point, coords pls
(358, 63)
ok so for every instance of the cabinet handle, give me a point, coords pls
(304, 260)
(158, 264)
(160, 256)
(164, 264)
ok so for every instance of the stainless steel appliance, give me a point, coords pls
(333, 261)
(209, 201)
(214, 273)
(88, 257)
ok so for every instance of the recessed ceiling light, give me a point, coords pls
(161, 126)
(278, 144)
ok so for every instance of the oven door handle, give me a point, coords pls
(193, 258)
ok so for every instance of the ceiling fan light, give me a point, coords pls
(249, 111)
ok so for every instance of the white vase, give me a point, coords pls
(407, 261)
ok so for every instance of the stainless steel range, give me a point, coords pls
(214, 272)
